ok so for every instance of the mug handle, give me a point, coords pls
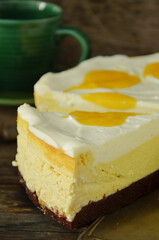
(80, 36)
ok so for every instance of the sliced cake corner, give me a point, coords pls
(76, 174)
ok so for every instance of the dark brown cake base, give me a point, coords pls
(105, 206)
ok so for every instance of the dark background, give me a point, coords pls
(114, 26)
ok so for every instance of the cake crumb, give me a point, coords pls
(14, 163)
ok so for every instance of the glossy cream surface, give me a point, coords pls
(112, 83)
(98, 133)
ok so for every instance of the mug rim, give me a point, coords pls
(31, 20)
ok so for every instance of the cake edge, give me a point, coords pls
(107, 205)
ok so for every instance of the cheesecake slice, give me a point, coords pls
(115, 83)
(79, 166)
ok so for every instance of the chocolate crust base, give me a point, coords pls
(104, 206)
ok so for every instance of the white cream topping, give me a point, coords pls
(64, 132)
(146, 92)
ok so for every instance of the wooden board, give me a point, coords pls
(113, 26)
(128, 27)
(8, 117)
(19, 218)
(137, 221)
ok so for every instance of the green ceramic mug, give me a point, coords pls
(29, 34)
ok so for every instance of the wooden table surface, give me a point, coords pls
(19, 218)
(127, 27)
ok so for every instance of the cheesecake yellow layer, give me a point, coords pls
(65, 184)
(48, 103)
(46, 151)
(66, 103)
(100, 84)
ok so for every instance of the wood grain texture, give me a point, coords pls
(114, 26)
(8, 123)
(19, 219)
